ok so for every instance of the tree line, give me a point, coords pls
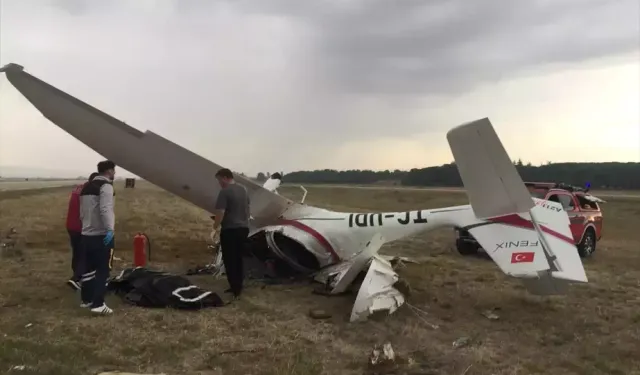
(610, 175)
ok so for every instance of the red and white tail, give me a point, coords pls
(527, 239)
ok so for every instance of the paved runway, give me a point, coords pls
(601, 194)
(6, 185)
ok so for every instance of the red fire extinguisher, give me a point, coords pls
(141, 250)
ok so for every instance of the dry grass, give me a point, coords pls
(594, 330)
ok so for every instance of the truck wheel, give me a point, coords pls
(466, 248)
(587, 246)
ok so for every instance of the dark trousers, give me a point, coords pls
(75, 238)
(232, 242)
(97, 266)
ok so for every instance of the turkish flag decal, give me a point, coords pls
(522, 257)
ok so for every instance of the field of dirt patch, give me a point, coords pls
(593, 330)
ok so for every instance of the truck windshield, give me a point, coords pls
(538, 194)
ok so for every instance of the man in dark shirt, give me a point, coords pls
(232, 223)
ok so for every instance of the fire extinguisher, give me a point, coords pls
(141, 250)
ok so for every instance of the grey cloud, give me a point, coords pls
(298, 77)
(417, 47)
(448, 46)
(74, 7)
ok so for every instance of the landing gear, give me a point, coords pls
(465, 243)
(466, 248)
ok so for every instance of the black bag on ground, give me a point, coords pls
(147, 288)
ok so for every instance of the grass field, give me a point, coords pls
(594, 330)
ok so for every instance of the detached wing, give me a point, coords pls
(182, 172)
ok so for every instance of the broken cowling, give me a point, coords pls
(289, 246)
(299, 245)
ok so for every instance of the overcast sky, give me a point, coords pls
(292, 84)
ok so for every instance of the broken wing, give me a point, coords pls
(182, 172)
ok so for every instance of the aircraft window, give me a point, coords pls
(567, 202)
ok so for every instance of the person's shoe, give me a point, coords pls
(73, 284)
(231, 299)
(85, 305)
(102, 310)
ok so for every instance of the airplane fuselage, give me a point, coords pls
(332, 237)
(310, 238)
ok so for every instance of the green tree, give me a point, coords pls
(608, 175)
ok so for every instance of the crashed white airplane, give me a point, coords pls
(335, 247)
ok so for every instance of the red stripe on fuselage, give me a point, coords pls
(315, 234)
(517, 221)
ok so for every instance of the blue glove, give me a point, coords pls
(108, 238)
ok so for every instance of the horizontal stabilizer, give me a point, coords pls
(491, 181)
(512, 244)
(553, 227)
(541, 252)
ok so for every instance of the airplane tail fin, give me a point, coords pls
(526, 239)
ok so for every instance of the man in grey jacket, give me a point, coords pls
(98, 221)
(231, 221)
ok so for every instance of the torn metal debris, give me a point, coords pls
(382, 355)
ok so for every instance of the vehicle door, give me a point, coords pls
(569, 204)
